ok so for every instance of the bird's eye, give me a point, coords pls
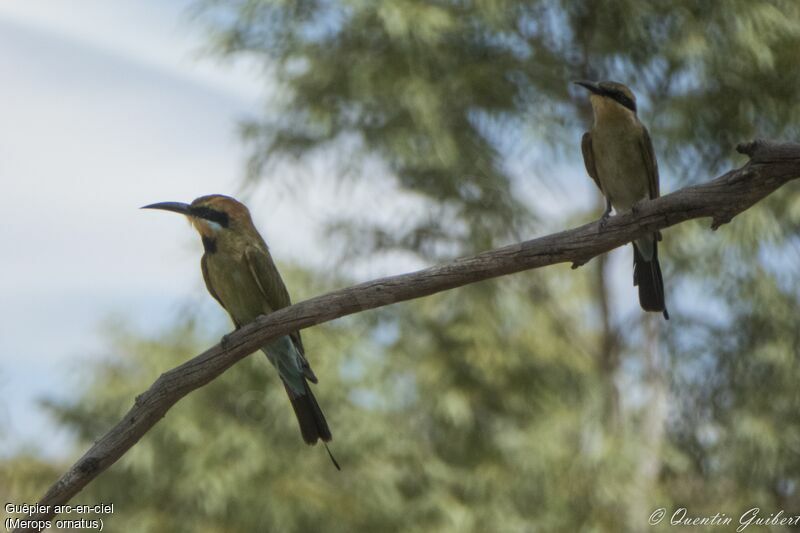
(212, 215)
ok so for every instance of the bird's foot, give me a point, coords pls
(604, 221)
(225, 341)
(605, 217)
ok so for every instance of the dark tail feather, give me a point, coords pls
(313, 425)
(647, 276)
(333, 459)
(312, 422)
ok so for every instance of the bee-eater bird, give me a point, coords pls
(239, 273)
(619, 157)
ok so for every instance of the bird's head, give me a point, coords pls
(213, 216)
(609, 95)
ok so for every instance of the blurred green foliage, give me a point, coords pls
(531, 403)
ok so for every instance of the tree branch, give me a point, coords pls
(771, 165)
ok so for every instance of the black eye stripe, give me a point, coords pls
(211, 214)
(623, 100)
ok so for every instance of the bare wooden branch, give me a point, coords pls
(771, 165)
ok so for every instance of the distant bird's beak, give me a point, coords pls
(175, 207)
(589, 85)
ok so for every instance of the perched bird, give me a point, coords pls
(239, 273)
(619, 157)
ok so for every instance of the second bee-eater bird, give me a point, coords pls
(239, 273)
(619, 157)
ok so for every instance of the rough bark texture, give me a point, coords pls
(770, 166)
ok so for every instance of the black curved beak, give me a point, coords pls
(175, 207)
(591, 86)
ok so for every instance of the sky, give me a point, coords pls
(108, 106)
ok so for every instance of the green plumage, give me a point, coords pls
(247, 284)
(619, 157)
(239, 273)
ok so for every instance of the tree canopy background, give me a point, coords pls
(532, 403)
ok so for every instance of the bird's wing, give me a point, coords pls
(210, 287)
(649, 156)
(588, 159)
(267, 278)
(272, 288)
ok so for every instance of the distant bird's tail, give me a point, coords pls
(647, 276)
(313, 425)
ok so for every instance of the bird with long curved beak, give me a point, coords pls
(619, 157)
(239, 273)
